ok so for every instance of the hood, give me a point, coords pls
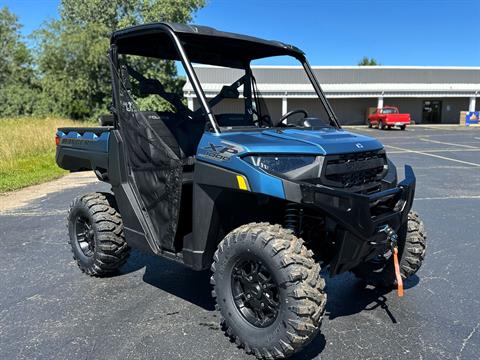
(322, 142)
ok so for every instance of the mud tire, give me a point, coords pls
(301, 292)
(107, 250)
(412, 246)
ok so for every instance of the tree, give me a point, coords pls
(366, 61)
(18, 89)
(72, 50)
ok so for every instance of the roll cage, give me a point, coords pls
(201, 44)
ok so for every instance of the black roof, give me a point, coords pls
(202, 44)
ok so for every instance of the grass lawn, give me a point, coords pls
(27, 151)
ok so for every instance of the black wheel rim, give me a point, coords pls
(85, 236)
(255, 292)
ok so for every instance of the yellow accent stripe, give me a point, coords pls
(242, 182)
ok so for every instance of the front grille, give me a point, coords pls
(355, 171)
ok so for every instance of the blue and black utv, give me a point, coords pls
(263, 201)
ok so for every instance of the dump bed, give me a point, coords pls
(83, 148)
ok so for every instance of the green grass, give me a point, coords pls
(29, 170)
(27, 151)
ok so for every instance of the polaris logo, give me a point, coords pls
(358, 145)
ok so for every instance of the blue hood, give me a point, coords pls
(322, 142)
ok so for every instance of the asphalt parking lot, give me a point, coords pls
(156, 309)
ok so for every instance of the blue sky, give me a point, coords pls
(341, 32)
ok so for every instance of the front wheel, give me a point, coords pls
(412, 244)
(268, 290)
(403, 127)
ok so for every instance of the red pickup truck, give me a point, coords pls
(388, 117)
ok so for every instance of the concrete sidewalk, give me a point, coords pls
(16, 199)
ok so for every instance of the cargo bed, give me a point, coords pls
(83, 148)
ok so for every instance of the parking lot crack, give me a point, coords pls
(466, 340)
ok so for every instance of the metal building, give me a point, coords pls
(429, 94)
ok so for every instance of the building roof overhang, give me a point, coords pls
(340, 81)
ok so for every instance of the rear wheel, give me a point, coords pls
(268, 289)
(412, 244)
(369, 125)
(96, 234)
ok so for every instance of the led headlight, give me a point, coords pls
(391, 172)
(293, 167)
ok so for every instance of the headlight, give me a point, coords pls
(391, 172)
(288, 166)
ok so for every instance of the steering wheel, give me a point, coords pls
(290, 113)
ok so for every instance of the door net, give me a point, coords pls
(154, 164)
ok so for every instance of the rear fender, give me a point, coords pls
(82, 149)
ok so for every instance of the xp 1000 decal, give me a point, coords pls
(220, 152)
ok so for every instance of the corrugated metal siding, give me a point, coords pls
(356, 75)
(387, 75)
(218, 75)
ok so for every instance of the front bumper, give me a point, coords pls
(360, 217)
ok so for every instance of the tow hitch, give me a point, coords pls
(392, 239)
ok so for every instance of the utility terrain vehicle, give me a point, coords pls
(263, 201)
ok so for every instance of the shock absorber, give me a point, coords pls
(293, 218)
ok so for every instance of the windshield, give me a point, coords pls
(260, 96)
(389, 111)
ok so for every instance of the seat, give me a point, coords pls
(188, 133)
(158, 124)
(180, 135)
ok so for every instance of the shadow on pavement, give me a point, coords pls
(349, 296)
(192, 286)
(174, 278)
(346, 294)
